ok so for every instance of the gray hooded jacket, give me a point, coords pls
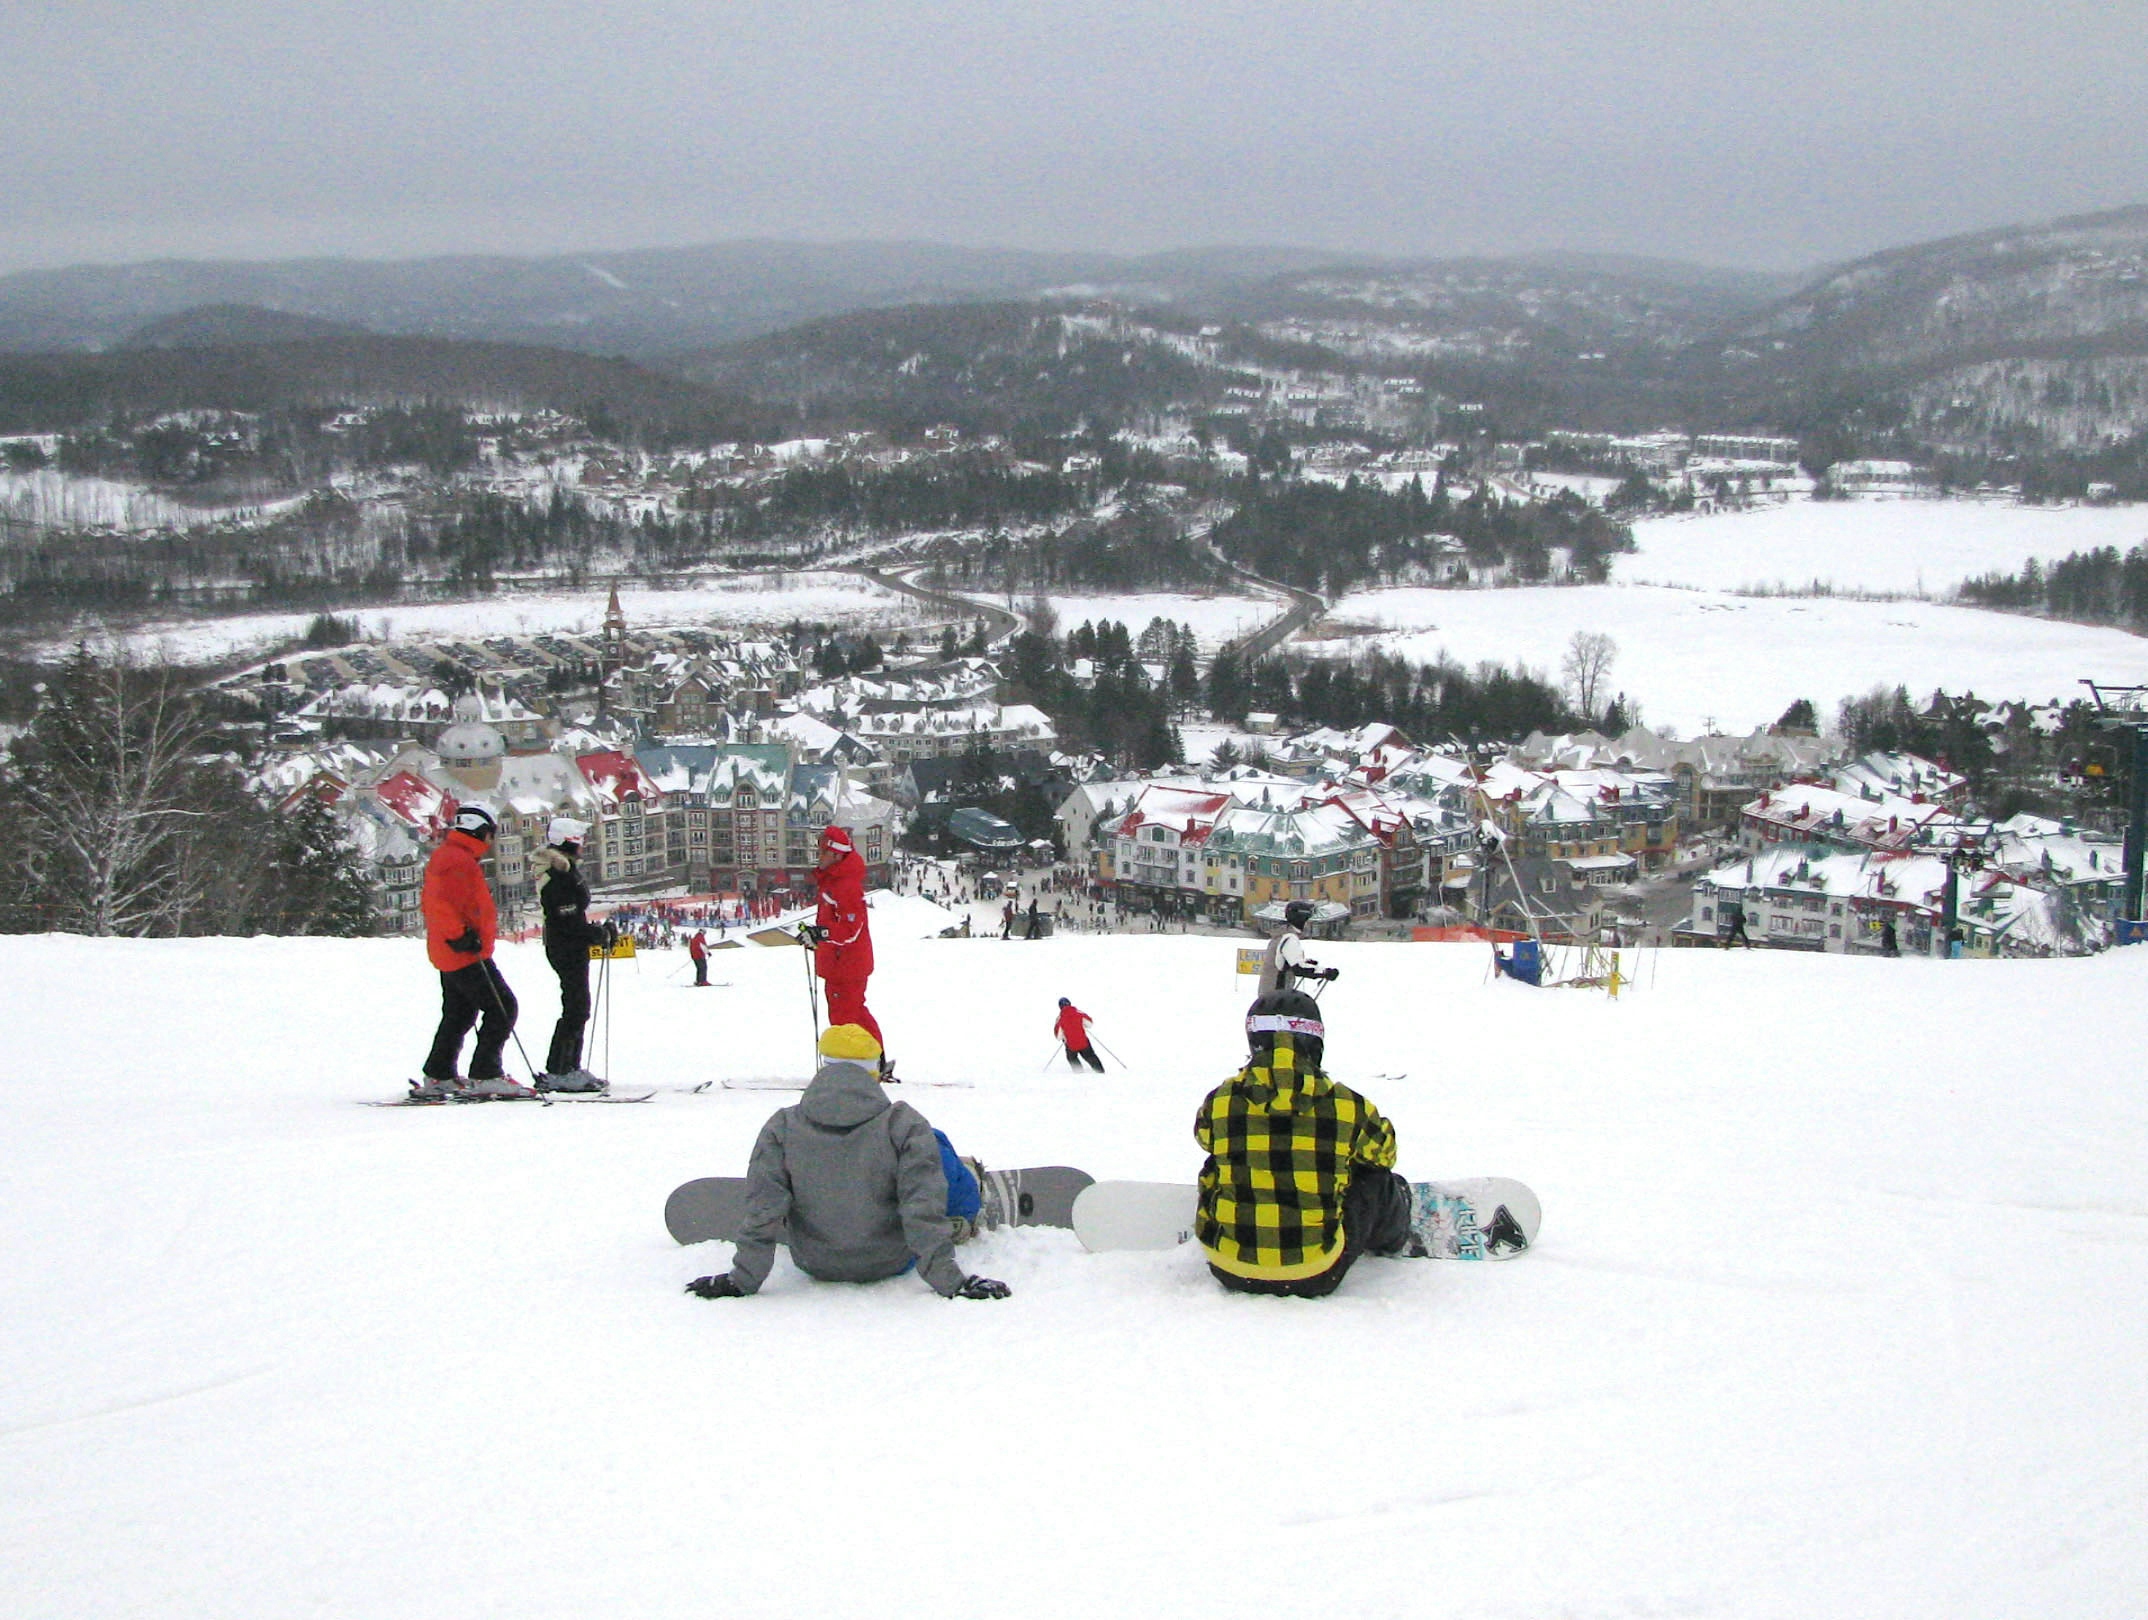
(852, 1183)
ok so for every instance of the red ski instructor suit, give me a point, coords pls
(844, 956)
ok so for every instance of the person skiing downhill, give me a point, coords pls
(859, 1188)
(568, 934)
(842, 934)
(1285, 961)
(1300, 1176)
(1072, 1026)
(461, 925)
(697, 947)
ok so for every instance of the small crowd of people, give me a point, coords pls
(862, 1188)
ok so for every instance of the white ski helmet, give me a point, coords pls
(566, 830)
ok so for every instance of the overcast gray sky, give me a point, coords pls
(1766, 135)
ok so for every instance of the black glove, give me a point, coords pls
(716, 1287)
(982, 1288)
(1329, 975)
(611, 935)
(466, 942)
(810, 934)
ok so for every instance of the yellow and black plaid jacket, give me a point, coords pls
(1281, 1146)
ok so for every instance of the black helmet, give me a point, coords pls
(1298, 913)
(1064, 1002)
(1287, 1015)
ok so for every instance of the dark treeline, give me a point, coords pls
(1330, 539)
(123, 820)
(1429, 702)
(2101, 586)
(963, 491)
(1120, 711)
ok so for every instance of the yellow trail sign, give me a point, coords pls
(1250, 958)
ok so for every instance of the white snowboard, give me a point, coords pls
(1481, 1218)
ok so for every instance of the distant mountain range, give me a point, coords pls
(2030, 338)
(640, 304)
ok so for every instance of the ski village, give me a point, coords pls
(802, 930)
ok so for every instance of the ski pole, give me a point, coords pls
(604, 994)
(493, 983)
(1108, 1052)
(1056, 1047)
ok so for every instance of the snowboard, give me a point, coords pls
(1483, 1218)
(714, 1207)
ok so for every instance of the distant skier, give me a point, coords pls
(842, 933)
(461, 925)
(1890, 942)
(1073, 1027)
(1285, 961)
(1035, 926)
(697, 947)
(568, 934)
(1266, 1232)
(1737, 934)
(859, 1188)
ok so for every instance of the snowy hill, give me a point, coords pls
(1836, 1309)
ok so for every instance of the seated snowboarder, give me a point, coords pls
(856, 1186)
(1300, 1176)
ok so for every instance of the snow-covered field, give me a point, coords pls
(748, 603)
(1689, 656)
(1838, 1324)
(1213, 619)
(1911, 547)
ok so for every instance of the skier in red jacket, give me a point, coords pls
(843, 938)
(1073, 1027)
(460, 927)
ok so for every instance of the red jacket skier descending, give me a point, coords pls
(844, 956)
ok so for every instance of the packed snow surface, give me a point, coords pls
(1692, 656)
(745, 603)
(1902, 547)
(1837, 1307)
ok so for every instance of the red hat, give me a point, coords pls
(834, 837)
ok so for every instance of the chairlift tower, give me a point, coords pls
(2125, 708)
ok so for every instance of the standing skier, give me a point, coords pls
(859, 1188)
(461, 925)
(568, 935)
(697, 947)
(1034, 925)
(842, 935)
(1073, 1027)
(1300, 1176)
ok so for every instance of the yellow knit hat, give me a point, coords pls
(852, 1042)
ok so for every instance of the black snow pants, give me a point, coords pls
(466, 995)
(572, 966)
(1077, 1055)
(1376, 1220)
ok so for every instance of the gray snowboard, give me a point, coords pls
(1484, 1218)
(714, 1207)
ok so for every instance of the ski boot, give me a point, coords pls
(574, 1079)
(429, 1090)
(495, 1088)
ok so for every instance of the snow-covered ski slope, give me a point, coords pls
(1837, 1309)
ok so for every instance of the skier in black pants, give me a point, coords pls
(568, 934)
